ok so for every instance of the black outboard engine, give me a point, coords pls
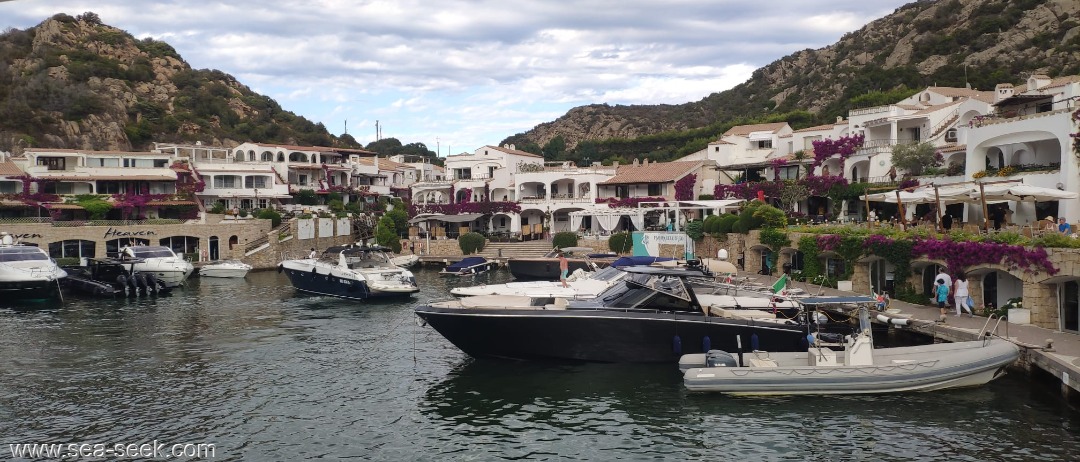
(720, 358)
(141, 279)
(123, 281)
(133, 282)
(151, 284)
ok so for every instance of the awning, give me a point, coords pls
(462, 218)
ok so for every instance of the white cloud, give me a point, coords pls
(472, 70)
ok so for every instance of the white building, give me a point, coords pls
(1027, 137)
(230, 179)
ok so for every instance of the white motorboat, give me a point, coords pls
(225, 269)
(405, 261)
(352, 272)
(581, 285)
(161, 262)
(857, 369)
(27, 272)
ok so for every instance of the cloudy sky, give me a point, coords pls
(459, 74)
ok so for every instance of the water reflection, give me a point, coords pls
(269, 374)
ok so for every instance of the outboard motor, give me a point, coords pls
(141, 280)
(720, 358)
(151, 284)
(123, 281)
(133, 282)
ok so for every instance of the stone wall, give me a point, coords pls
(236, 232)
(1040, 290)
(292, 247)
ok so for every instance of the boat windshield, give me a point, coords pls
(607, 274)
(152, 252)
(644, 291)
(363, 259)
(22, 254)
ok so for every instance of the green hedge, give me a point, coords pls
(471, 243)
(620, 243)
(564, 239)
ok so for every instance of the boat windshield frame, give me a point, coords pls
(664, 292)
(152, 251)
(23, 253)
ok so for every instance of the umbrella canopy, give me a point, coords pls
(917, 196)
(721, 267)
(1024, 193)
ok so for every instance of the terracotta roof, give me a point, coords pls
(322, 149)
(163, 203)
(8, 168)
(653, 172)
(108, 178)
(513, 151)
(90, 153)
(953, 91)
(938, 107)
(817, 128)
(953, 148)
(63, 206)
(386, 164)
(743, 130)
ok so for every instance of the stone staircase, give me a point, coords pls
(516, 249)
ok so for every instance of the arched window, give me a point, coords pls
(280, 157)
(233, 241)
(251, 156)
(298, 157)
(267, 156)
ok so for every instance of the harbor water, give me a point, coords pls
(263, 373)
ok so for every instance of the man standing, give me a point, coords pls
(564, 269)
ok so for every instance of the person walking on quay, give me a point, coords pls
(942, 292)
(412, 247)
(960, 296)
(564, 269)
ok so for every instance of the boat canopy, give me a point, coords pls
(465, 263)
(638, 261)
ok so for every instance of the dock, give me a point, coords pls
(1055, 353)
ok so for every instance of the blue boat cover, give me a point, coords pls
(638, 261)
(465, 263)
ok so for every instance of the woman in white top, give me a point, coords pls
(961, 296)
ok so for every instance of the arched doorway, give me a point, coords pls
(233, 242)
(1070, 306)
(990, 288)
(213, 248)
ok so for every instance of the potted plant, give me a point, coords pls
(1016, 313)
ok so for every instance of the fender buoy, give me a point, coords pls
(676, 345)
(706, 344)
(280, 268)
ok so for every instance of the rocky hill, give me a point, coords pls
(73, 82)
(946, 42)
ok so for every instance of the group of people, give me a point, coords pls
(944, 287)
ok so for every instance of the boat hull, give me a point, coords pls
(334, 286)
(213, 272)
(599, 335)
(895, 370)
(43, 289)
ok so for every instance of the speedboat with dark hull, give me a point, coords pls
(651, 316)
(113, 277)
(27, 273)
(351, 272)
(546, 267)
